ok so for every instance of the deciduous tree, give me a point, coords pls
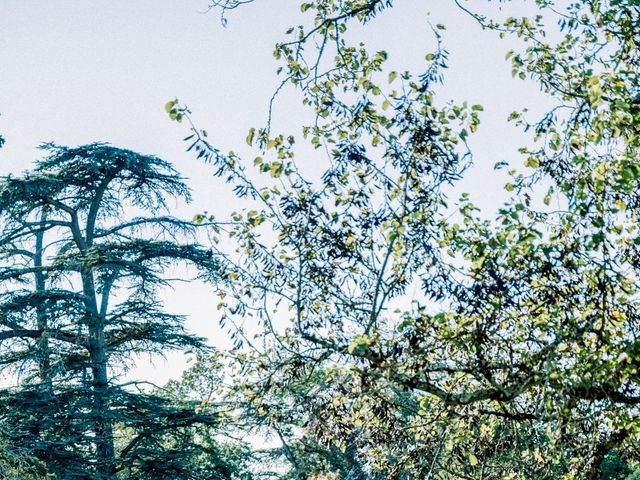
(458, 347)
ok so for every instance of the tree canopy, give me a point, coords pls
(450, 345)
(81, 299)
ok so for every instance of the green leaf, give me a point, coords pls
(250, 136)
(532, 162)
(169, 105)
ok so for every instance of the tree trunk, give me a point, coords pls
(44, 364)
(105, 449)
(103, 427)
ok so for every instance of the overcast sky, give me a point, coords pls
(75, 72)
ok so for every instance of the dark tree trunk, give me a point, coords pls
(105, 449)
(44, 364)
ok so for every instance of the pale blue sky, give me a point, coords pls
(75, 72)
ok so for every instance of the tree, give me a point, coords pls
(283, 418)
(16, 464)
(210, 451)
(80, 299)
(519, 356)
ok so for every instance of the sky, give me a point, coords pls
(76, 72)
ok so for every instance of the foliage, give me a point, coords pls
(280, 420)
(217, 453)
(400, 334)
(16, 464)
(80, 284)
(453, 346)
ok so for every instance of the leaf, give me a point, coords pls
(473, 460)
(250, 136)
(271, 144)
(532, 162)
(169, 105)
